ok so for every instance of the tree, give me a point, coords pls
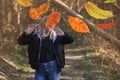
(92, 26)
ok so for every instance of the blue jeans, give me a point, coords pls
(48, 71)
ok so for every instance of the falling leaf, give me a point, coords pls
(78, 25)
(96, 12)
(105, 26)
(42, 9)
(34, 14)
(53, 19)
(109, 1)
(25, 3)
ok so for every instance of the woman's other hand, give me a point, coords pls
(30, 28)
(58, 31)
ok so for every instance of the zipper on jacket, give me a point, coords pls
(39, 49)
(54, 52)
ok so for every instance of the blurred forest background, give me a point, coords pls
(90, 57)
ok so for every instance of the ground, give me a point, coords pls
(79, 66)
(70, 72)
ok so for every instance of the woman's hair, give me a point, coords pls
(42, 26)
(42, 22)
(45, 32)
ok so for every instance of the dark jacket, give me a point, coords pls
(34, 43)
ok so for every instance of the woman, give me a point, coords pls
(45, 50)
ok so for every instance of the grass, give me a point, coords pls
(83, 65)
(95, 69)
(17, 78)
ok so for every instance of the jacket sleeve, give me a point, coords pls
(66, 38)
(24, 39)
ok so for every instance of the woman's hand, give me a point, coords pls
(30, 28)
(58, 31)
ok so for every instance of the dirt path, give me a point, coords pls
(70, 72)
(73, 57)
(80, 65)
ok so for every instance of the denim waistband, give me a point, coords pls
(42, 60)
(53, 62)
(48, 66)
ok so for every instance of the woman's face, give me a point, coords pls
(46, 29)
(43, 28)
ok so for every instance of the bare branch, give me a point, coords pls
(92, 26)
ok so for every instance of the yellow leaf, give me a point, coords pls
(109, 1)
(78, 25)
(43, 8)
(25, 3)
(96, 12)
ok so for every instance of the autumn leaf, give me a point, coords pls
(78, 25)
(96, 12)
(34, 14)
(109, 1)
(25, 3)
(53, 19)
(105, 26)
(42, 9)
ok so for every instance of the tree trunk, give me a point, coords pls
(3, 12)
(92, 26)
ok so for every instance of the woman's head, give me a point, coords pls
(43, 29)
(42, 24)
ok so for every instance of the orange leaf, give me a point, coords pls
(33, 14)
(42, 9)
(53, 19)
(105, 26)
(78, 25)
